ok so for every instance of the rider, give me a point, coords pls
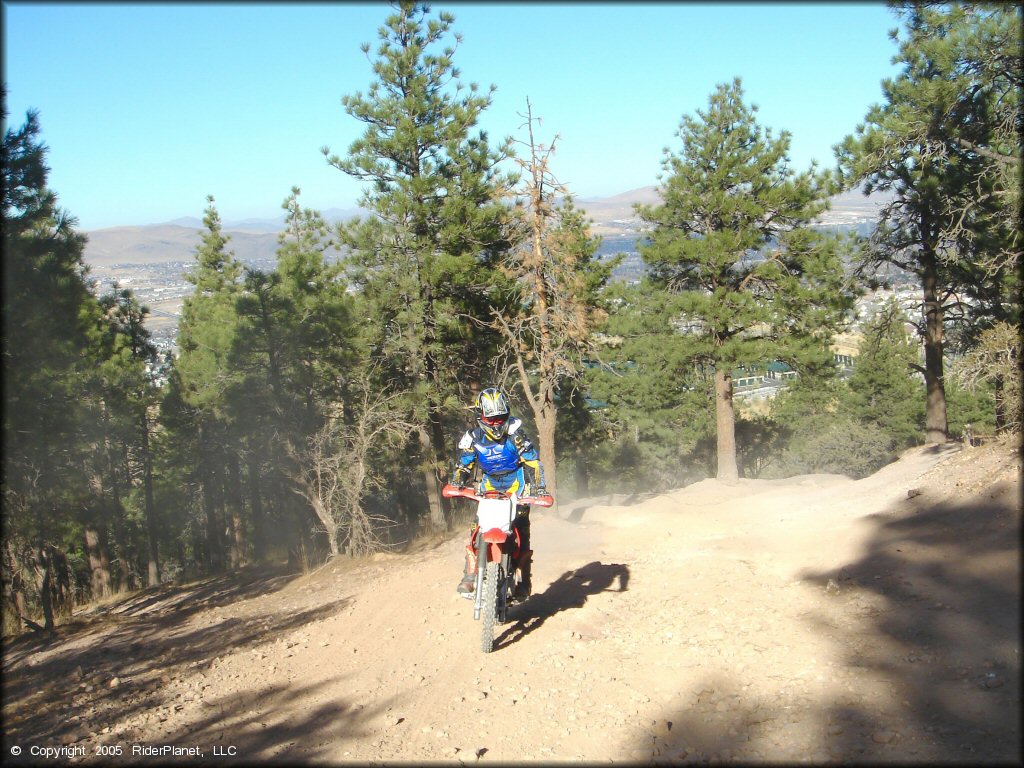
(508, 462)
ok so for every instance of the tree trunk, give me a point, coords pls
(326, 520)
(116, 536)
(259, 537)
(546, 439)
(582, 472)
(95, 531)
(435, 518)
(152, 527)
(17, 585)
(440, 449)
(234, 505)
(998, 391)
(725, 420)
(44, 581)
(99, 566)
(432, 436)
(936, 425)
(181, 559)
(214, 551)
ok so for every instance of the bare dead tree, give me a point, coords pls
(335, 472)
(547, 339)
(997, 360)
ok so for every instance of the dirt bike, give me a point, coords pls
(495, 542)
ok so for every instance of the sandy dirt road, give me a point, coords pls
(813, 619)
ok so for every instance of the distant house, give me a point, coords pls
(779, 371)
(746, 378)
(845, 348)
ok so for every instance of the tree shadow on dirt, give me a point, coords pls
(119, 668)
(250, 722)
(939, 583)
(570, 590)
(222, 589)
(948, 633)
(279, 724)
(181, 600)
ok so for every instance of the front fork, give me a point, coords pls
(484, 552)
(481, 566)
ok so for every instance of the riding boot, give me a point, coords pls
(525, 586)
(467, 586)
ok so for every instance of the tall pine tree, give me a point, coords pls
(946, 143)
(425, 259)
(203, 374)
(49, 326)
(731, 238)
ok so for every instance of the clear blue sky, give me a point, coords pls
(146, 109)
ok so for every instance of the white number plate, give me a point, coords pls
(495, 513)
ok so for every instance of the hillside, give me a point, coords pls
(810, 619)
(255, 241)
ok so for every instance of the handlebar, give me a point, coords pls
(453, 491)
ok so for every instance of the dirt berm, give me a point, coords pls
(815, 619)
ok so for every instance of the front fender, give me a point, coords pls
(495, 536)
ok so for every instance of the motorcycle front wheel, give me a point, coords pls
(489, 608)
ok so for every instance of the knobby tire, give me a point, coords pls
(489, 608)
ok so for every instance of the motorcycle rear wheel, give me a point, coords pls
(489, 608)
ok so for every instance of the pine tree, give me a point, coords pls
(49, 322)
(882, 389)
(296, 350)
(946, 142)
(650, 395)
(203, 373)
(125, 391)
(425, 260)
(730, 238)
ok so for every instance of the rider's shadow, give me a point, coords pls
(571, 590)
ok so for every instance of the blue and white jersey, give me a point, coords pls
(498, 457)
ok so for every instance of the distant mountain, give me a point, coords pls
(252, 240)
(255, 240)
(162, 243)
(616, 215)
(645, 195)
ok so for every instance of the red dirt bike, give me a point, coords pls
(496, 545)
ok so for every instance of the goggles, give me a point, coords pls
(494, 421)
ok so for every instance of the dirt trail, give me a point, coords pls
(813, 619)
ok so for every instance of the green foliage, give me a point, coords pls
(991, 374)
(266, 360)
(730, 241)
(294, 340)
(76, 386)
(45, 362)
(655, 401)
(425, 260)
(884, 389)
(946, 143)
(858, 425)
(972, 409)
(970, 53)
(207, 330)
(839, 446)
